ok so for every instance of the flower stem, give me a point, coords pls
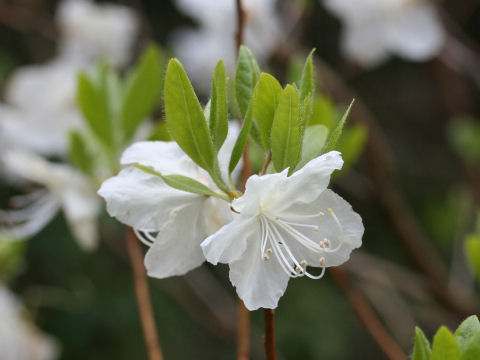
(269, 337)
(267, 162)
(243, 332)
(240, 23)
(143, 297)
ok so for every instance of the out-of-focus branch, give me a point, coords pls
(367, 316)
(24, 20)
(143, 297)
(240, 23)
(243, 334)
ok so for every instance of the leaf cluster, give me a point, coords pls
(464, 344)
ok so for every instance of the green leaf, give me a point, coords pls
(313, 142)
(337, 131)
(160, 132)
(472, 253)
(241, 141)
(421, 350)
(95, 108)
(246, 77)
(142, 91)
(184, 183)
(472, 351)
(218, 107)
(265, 101)
(467, 329)
(324, 112)
(307, 87)
(286, 138)
(79, 155)
(445, 346)
(185, 118)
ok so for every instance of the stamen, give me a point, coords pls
(303, 263)
(321, 261)
(269, 251)
(321, 213)
(340, 229)
(266, 257)
(298, 269)
(326, 242)
(144, 237)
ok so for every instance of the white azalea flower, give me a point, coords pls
(19, 339)
(90, 31)
(284, 225)
(375, 29)
(172, 222)
(64, 188)
(200, 49)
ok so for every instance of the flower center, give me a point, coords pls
(274, 243)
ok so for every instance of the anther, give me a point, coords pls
(266, 257)
(316, 228)
(303, 263)
(298, 269)
(326, 242)
(269, 251)
(322, 213)
(322, 261)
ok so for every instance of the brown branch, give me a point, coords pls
(367, 316)
(269, 337)
(240, 24)
(243, 332)
(143, 297)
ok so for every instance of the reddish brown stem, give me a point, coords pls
(240, 24)
(367, 316)
(269, 338)
(243, 332)
(143, 297)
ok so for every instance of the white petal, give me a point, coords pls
(259, 283)
(229, 243)
(308, 182)
(177, 247)
(142, 200)
(416, 32)
(351, 226)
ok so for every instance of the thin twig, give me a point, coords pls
(265, 165)
(269, 338)
(367, 316)
(243, 334)
(240, 24)
(143, 297)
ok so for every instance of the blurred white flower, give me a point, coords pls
(214, 39)
(375, 29)
(62, 188)
(90, 31)
(172, 222)
(285, 224)
(19, 339)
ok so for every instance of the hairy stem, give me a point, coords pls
(143, 297)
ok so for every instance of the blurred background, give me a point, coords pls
(412, 150)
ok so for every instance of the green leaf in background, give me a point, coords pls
(218, 119)
(79, 155)
(336, 132)
(246, 77)
(472, 351)
(445, 346)
(467, 329)
(324, 112)
(265, 101)
(351, 144)
(241, 140)
(142, 91)
(464, 136)
(472, 253)
(286, 137)
(307, 82)
(421, 349)
(185, 118)
(95, 108)
(160, 132)
(313, 142)
(12, 257)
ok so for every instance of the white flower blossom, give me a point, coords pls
(90, 31)
(200, 49)
(62, 188)
(19, 339)
(375, 29)
(172, 222)
(284, 225)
